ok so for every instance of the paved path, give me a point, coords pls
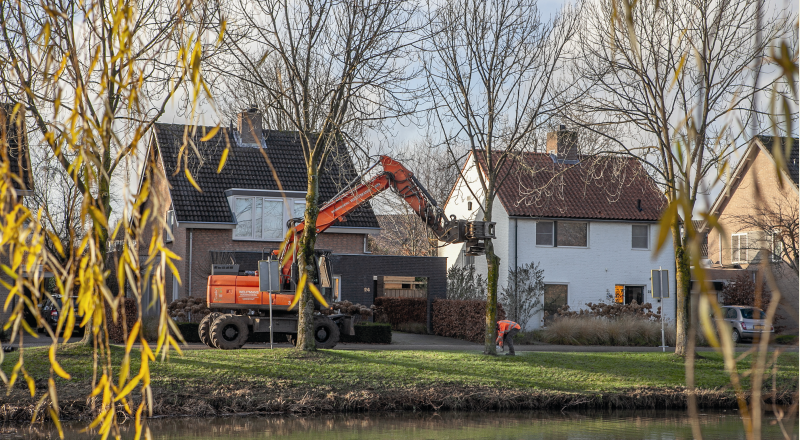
(410, 341)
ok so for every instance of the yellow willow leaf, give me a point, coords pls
(96, 421)
(31, 382)
(56, 422)
(174, 344)
(98, 216)
(211, 133)
(70, 325)
(191, 179)
(100, 385)
(106, 428)
(146, 351)
(138, 423)
(174, 270)
(14, 374)
(129, 387)
(51, 390)
(124, 369)
(222, 27)
(56, 242)
(56, 367)
(317, 295)
(664, 224)
(289, 253)
(132, 336)
(300, 286)
(222, 160)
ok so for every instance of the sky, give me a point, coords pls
(402, 133)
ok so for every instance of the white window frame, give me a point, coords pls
(647, 247)
(739, 245)
(285, 203)
(552, 234)
(775, 258)
(170, 221)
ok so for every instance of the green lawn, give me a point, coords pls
(374, 370)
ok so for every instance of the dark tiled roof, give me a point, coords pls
(791, 159)
(595, 188)
(18, 155)
(246, 168)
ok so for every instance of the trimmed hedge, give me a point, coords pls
(370, 333)
(462, 319)
(115, 333)
(401, 310)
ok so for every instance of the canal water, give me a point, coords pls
(655, 425)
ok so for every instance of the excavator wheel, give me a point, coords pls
(326, 332)
(229, 332)
(205, 328)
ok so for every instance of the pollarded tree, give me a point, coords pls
(325, 69)
(493, 71)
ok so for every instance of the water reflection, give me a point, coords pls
(571, 425)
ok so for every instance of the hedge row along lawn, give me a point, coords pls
(374, 370)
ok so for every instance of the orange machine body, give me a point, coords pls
(231, 291)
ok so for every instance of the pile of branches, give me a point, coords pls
(126, 309)
(189, 309)
(349, 308)
(612, 311)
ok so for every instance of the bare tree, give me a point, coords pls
(402, 230)
(523, 295)
(775, 228)
(492, 68)
(675, 73)
(327, 70)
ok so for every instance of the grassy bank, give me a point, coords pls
(208, 382)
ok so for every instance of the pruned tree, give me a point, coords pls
(676, 74)
(327, 70)
(523, 294)
(743, 291)
(493, 69)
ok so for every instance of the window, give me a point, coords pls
(170, 221)
(739, 248)
(298, 209)
(260, 218)
(555, 297)
(469, 260)
(777, 247)
(469, 206)
(565, 234)
(640, 236)
(544, 233)
(634, 293)
(730, 314)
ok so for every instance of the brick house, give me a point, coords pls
(14, 145)
(590, 222)
(243, 210)
(757, 214)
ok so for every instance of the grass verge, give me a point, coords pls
(214, 382)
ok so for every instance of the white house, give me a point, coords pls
(591, 224)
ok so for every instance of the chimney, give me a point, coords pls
(250, 127)
(563, 143)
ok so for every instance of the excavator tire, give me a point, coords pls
(205, 328)
(326, 332)
(229, 332)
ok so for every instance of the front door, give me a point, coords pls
(634, 293)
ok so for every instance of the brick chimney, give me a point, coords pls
(563, 143)
(250, 126)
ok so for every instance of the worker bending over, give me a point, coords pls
(505, 333)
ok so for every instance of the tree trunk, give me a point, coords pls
(307, 265)
(683, 287)
(493, 266)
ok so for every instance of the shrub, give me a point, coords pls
(624, 331)
(419, 328)
(613, 311)
(115, 331)
(349, 308)
(524, 292)
(396, 311)
(464, 283)
(741, 291)
(463, 319)
(786, 339)
(370, 333)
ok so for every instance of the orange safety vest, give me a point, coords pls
(505, 327)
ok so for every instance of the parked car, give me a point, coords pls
(746, 322)
(50, 312)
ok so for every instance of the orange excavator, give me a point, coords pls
(243, 306)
